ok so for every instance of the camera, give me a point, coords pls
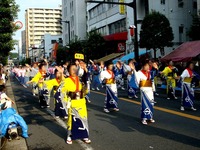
(14, 131)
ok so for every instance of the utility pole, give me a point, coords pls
(134, 6)
(68, 23)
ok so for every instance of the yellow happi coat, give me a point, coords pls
(78, 105)
(39, 76)
(170, 79)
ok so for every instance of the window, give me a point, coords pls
(180, 3)
(162, 2)
(117, 27)
(53, 41)
(181, 28)
(195, 5)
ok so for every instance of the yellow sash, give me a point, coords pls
(187, 79)
(145, 83)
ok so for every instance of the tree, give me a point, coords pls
(8, 9)
(156, 32)
(13, 55)
(194, 32)
(95, 47)
(75, 46)
(62, 55)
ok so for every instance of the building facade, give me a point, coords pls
(48, 42)
(40, 21)
(198, 7)
(107, 19)
(23, 40)
(74, 17)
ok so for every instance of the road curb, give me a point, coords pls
(14, 144)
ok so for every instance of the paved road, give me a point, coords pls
(115, 131)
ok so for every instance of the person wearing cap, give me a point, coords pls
(144, 80)
(108, 78)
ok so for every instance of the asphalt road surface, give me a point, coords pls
(121, 130)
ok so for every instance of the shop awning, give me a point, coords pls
(131, 55)
(110, 57)
(184, 52)
(122, 36)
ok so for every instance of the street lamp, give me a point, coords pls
(68, 22)
(132, 5)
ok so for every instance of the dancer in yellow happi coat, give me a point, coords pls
(38, 80)
(74, 95)
(170, 73)
(60, 107)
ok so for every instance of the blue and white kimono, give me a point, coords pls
(187, 88)
(111, 100)
(132, 85)
(147, 95)
(119, 76)
(60, 106)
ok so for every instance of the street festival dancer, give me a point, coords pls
(39, 79)
(170, 72)
(132, 84)
(73, 93)
(48, 85)
(187, 87)
(119, 74)
(107, 77)
(144, 79)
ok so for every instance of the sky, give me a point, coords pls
(25, 4)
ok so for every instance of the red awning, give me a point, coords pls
(122, 36)
(184, 52)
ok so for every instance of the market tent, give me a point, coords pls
(110, 57)
(184, 52)
(131, 55)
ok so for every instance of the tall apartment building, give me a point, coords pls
(38, 22)
(106, 19)
(74, 12)
(23, 40)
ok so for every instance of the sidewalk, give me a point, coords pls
(14, 144)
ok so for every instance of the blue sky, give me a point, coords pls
(24, 4)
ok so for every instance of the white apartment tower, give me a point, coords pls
(40, 21)
(73, 20)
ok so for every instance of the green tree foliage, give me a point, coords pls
(25, 61)
(62, 55)
(95, 46)
(13, 55)
(194, 32)
(8, 9)
(156, 32)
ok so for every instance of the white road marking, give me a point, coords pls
(63, 124)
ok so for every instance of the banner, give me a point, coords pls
(121, 8)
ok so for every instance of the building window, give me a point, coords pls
(162, 2)
(180, 3)
(53, 41)
(195, 5)
(181, 28)
(117, 27)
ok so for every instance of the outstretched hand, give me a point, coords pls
(60, 69)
